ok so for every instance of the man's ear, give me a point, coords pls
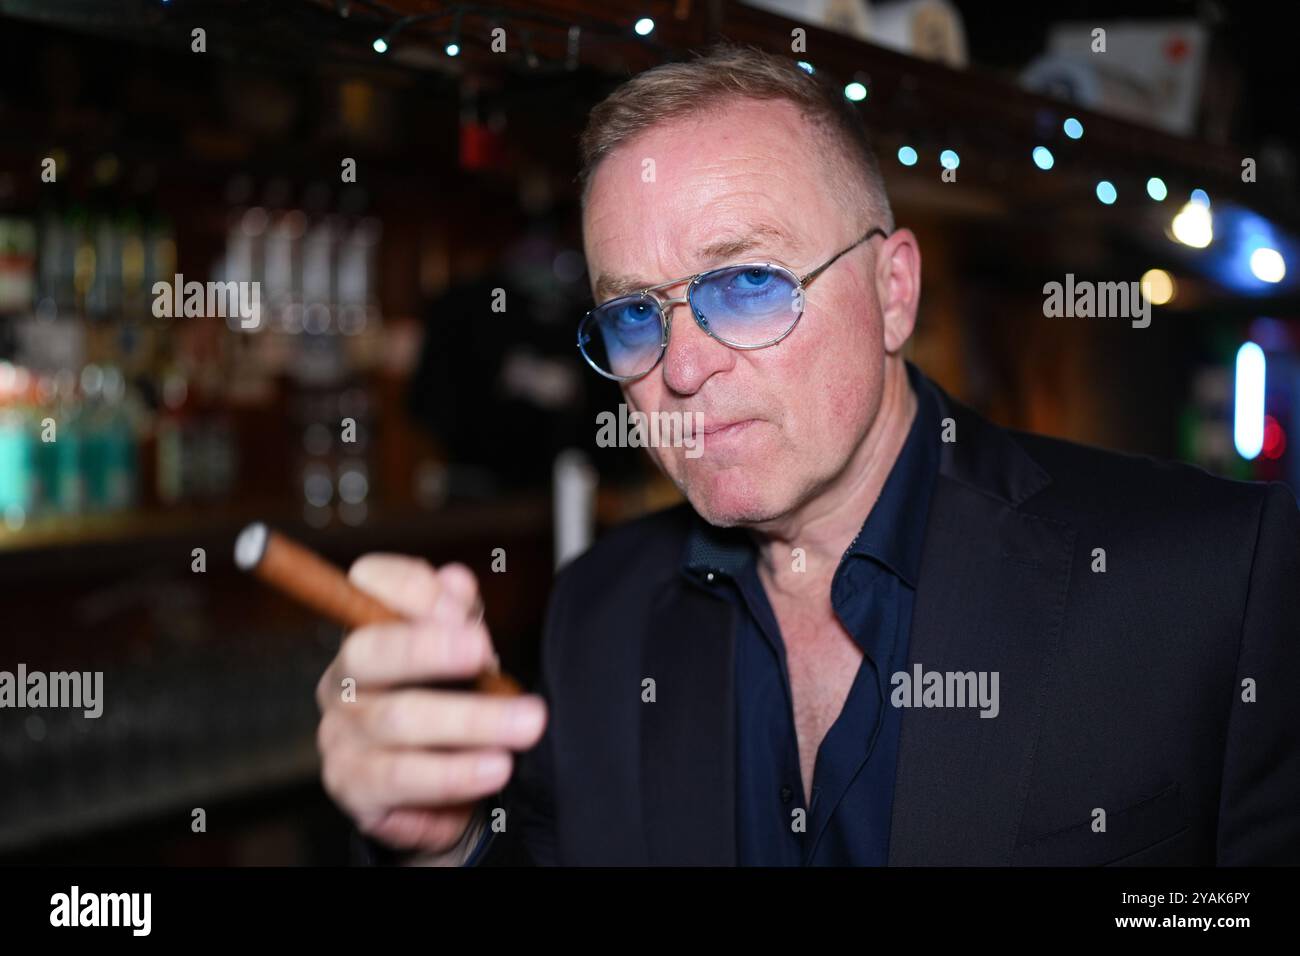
(898, 286)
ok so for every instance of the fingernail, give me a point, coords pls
(492, 767)
(525, 717)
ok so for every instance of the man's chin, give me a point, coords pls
(724, 501)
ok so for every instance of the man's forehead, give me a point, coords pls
(759, 236)
(732, 197)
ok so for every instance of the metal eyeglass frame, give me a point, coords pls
(665, 322)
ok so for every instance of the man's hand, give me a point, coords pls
(409, 763)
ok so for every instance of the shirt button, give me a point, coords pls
(786, 794)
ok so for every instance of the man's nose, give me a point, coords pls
(692, 355)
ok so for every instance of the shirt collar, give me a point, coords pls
(893, 532)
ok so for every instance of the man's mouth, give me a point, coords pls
(726, 429)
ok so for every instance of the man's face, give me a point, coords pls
(781, 422)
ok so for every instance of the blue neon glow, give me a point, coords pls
(1157, 189)
(1073, 128)
(1231, 260)
(907, 155)
(1043, 158)
(1248, 407)
(1106, 191)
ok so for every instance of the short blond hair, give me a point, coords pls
(726, 72)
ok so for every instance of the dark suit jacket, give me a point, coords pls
(1120, 690)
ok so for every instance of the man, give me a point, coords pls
(884, 630)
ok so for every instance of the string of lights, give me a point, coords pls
(453, 40)
(1191, 226)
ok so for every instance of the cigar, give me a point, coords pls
(305, 576)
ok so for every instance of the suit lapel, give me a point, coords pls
(688, 733)
(991, 598)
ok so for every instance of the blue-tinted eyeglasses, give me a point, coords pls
(748, 306)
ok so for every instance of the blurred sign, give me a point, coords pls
(928, 29)
(1150, 73)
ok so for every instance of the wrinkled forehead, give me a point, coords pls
(700, 191)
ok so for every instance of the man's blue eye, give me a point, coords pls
(752, 290)
(632, 314)
(631, 317)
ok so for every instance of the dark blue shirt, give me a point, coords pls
(846, 823)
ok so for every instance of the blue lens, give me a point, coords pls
(624, 336)
(748, 305)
